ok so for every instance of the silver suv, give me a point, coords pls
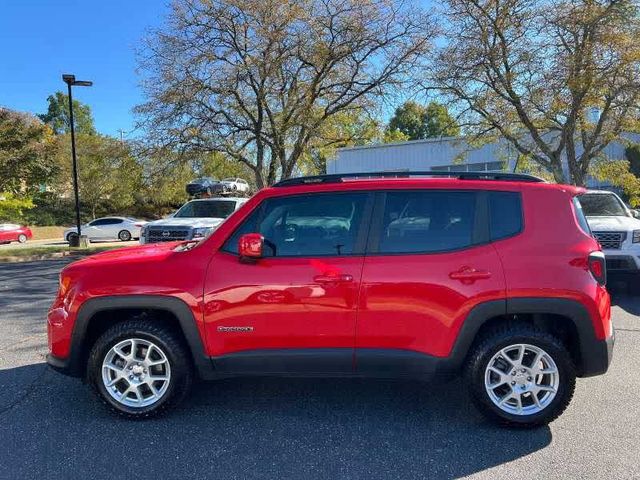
(616, 227)
(193, 221)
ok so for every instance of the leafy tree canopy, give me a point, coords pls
(558, 80)
(57, 116)
(26, 150)
(418, 122)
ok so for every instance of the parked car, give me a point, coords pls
(616, 227)
(492, 275)
(195, 220)
(11, 232)
(206, 186)
(236, 185)
(108, 228)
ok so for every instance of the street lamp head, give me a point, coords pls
(71, 80)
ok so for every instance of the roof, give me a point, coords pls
(413, 180)
(343, 177)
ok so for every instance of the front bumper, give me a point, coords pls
(61, 365)
(618, 262)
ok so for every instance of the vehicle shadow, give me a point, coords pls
(254, 428)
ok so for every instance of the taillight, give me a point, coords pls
(598, 267)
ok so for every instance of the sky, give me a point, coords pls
(93, 39)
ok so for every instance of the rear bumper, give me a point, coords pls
(597, 356)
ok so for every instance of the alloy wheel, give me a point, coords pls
(521, 379)
(136, 373)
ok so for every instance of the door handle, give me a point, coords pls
(341, 278)
(470, 274)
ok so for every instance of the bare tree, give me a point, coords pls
(258, 79)
(559, 79)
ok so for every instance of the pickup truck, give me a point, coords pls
(195, 220)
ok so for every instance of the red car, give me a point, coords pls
(495, 276)
(10, 232)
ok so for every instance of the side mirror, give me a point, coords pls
(250, 246)
(636, 214)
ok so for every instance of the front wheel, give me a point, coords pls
(22, 238)
(140, 369)
(521, 376)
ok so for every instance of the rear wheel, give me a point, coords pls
(124, 235)
(521, 376)
(140, 369)
(22, 238)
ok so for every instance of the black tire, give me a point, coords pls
(22, 238)
(503, 337)
(172, 346)
(124, 235)
(70, 235)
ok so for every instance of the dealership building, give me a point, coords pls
(452, 154)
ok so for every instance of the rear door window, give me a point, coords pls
(427, 221)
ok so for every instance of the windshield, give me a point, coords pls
(206, 209)
(602, 205)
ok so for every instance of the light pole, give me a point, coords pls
(70, 80)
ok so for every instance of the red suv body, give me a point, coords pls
(384, 277)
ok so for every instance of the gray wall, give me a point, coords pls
(425, 154)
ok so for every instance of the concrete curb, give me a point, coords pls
(35, 258)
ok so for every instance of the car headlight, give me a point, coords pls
(635, 238)
(202, 232)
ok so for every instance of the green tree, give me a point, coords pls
(13, 208)
(418, 122)
(27, 148)
(57, 116)
(632, 153)
(109, 175)
(619, 174)
(408, 119)
(347, 129)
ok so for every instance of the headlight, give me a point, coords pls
(202, 232)
(636, 236)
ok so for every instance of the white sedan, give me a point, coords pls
(108, 228)
(236, 185)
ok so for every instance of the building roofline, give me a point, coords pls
(407, 142)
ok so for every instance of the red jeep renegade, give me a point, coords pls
(494, 275)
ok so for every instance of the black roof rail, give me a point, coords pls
(340, 177)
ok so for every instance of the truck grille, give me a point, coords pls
(166, 234)
(610, 240)
(620, 263)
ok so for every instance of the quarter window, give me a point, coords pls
(305, 226)
(505, 214)
(432, 221)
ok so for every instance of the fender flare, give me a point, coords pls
(594, 354)
(173, 305)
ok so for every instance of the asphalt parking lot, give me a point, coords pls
(52, 427)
